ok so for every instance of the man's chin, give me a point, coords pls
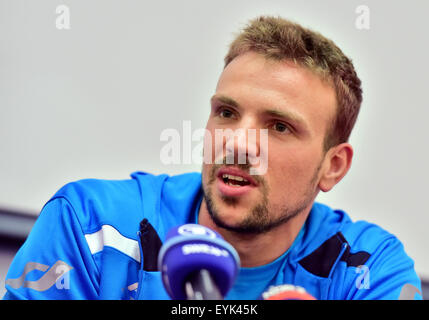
(228, 223)
(234, 216)
(242, 227)
(225, 212)
(229, 210)
(234, 209)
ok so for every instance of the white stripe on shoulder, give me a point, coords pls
(108, 236)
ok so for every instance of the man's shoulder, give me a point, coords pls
(124, 203)
(367, 236)
(359, 235)
(336, 247)
(330, 234)
(126, 190)
(377, 264)
(356, 242)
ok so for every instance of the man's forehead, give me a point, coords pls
(281, 86)
(264, 70)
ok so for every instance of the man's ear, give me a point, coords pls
(337, 163)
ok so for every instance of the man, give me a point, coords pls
(100, 239)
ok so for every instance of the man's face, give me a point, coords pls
(296, 108)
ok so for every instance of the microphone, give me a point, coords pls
(196, 263)
(286, 292)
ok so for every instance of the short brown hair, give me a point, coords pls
(280, 39)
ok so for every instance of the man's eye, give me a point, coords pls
(280, 127)
(225, 113)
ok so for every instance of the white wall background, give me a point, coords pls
(91, 102)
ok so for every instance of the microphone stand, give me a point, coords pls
(201, 286)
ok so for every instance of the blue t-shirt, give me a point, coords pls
(252, 282)
(85, 245)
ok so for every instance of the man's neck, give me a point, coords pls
(258, 249)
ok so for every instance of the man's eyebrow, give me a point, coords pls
(226, 100)
(287, 115)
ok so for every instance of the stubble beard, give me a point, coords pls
(259, 219)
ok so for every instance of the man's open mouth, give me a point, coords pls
(235, 181)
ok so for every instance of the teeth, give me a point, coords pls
(231, 177)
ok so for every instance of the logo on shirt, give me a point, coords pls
(408, 292)
(57, 275)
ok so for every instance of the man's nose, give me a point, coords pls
(242, 146)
